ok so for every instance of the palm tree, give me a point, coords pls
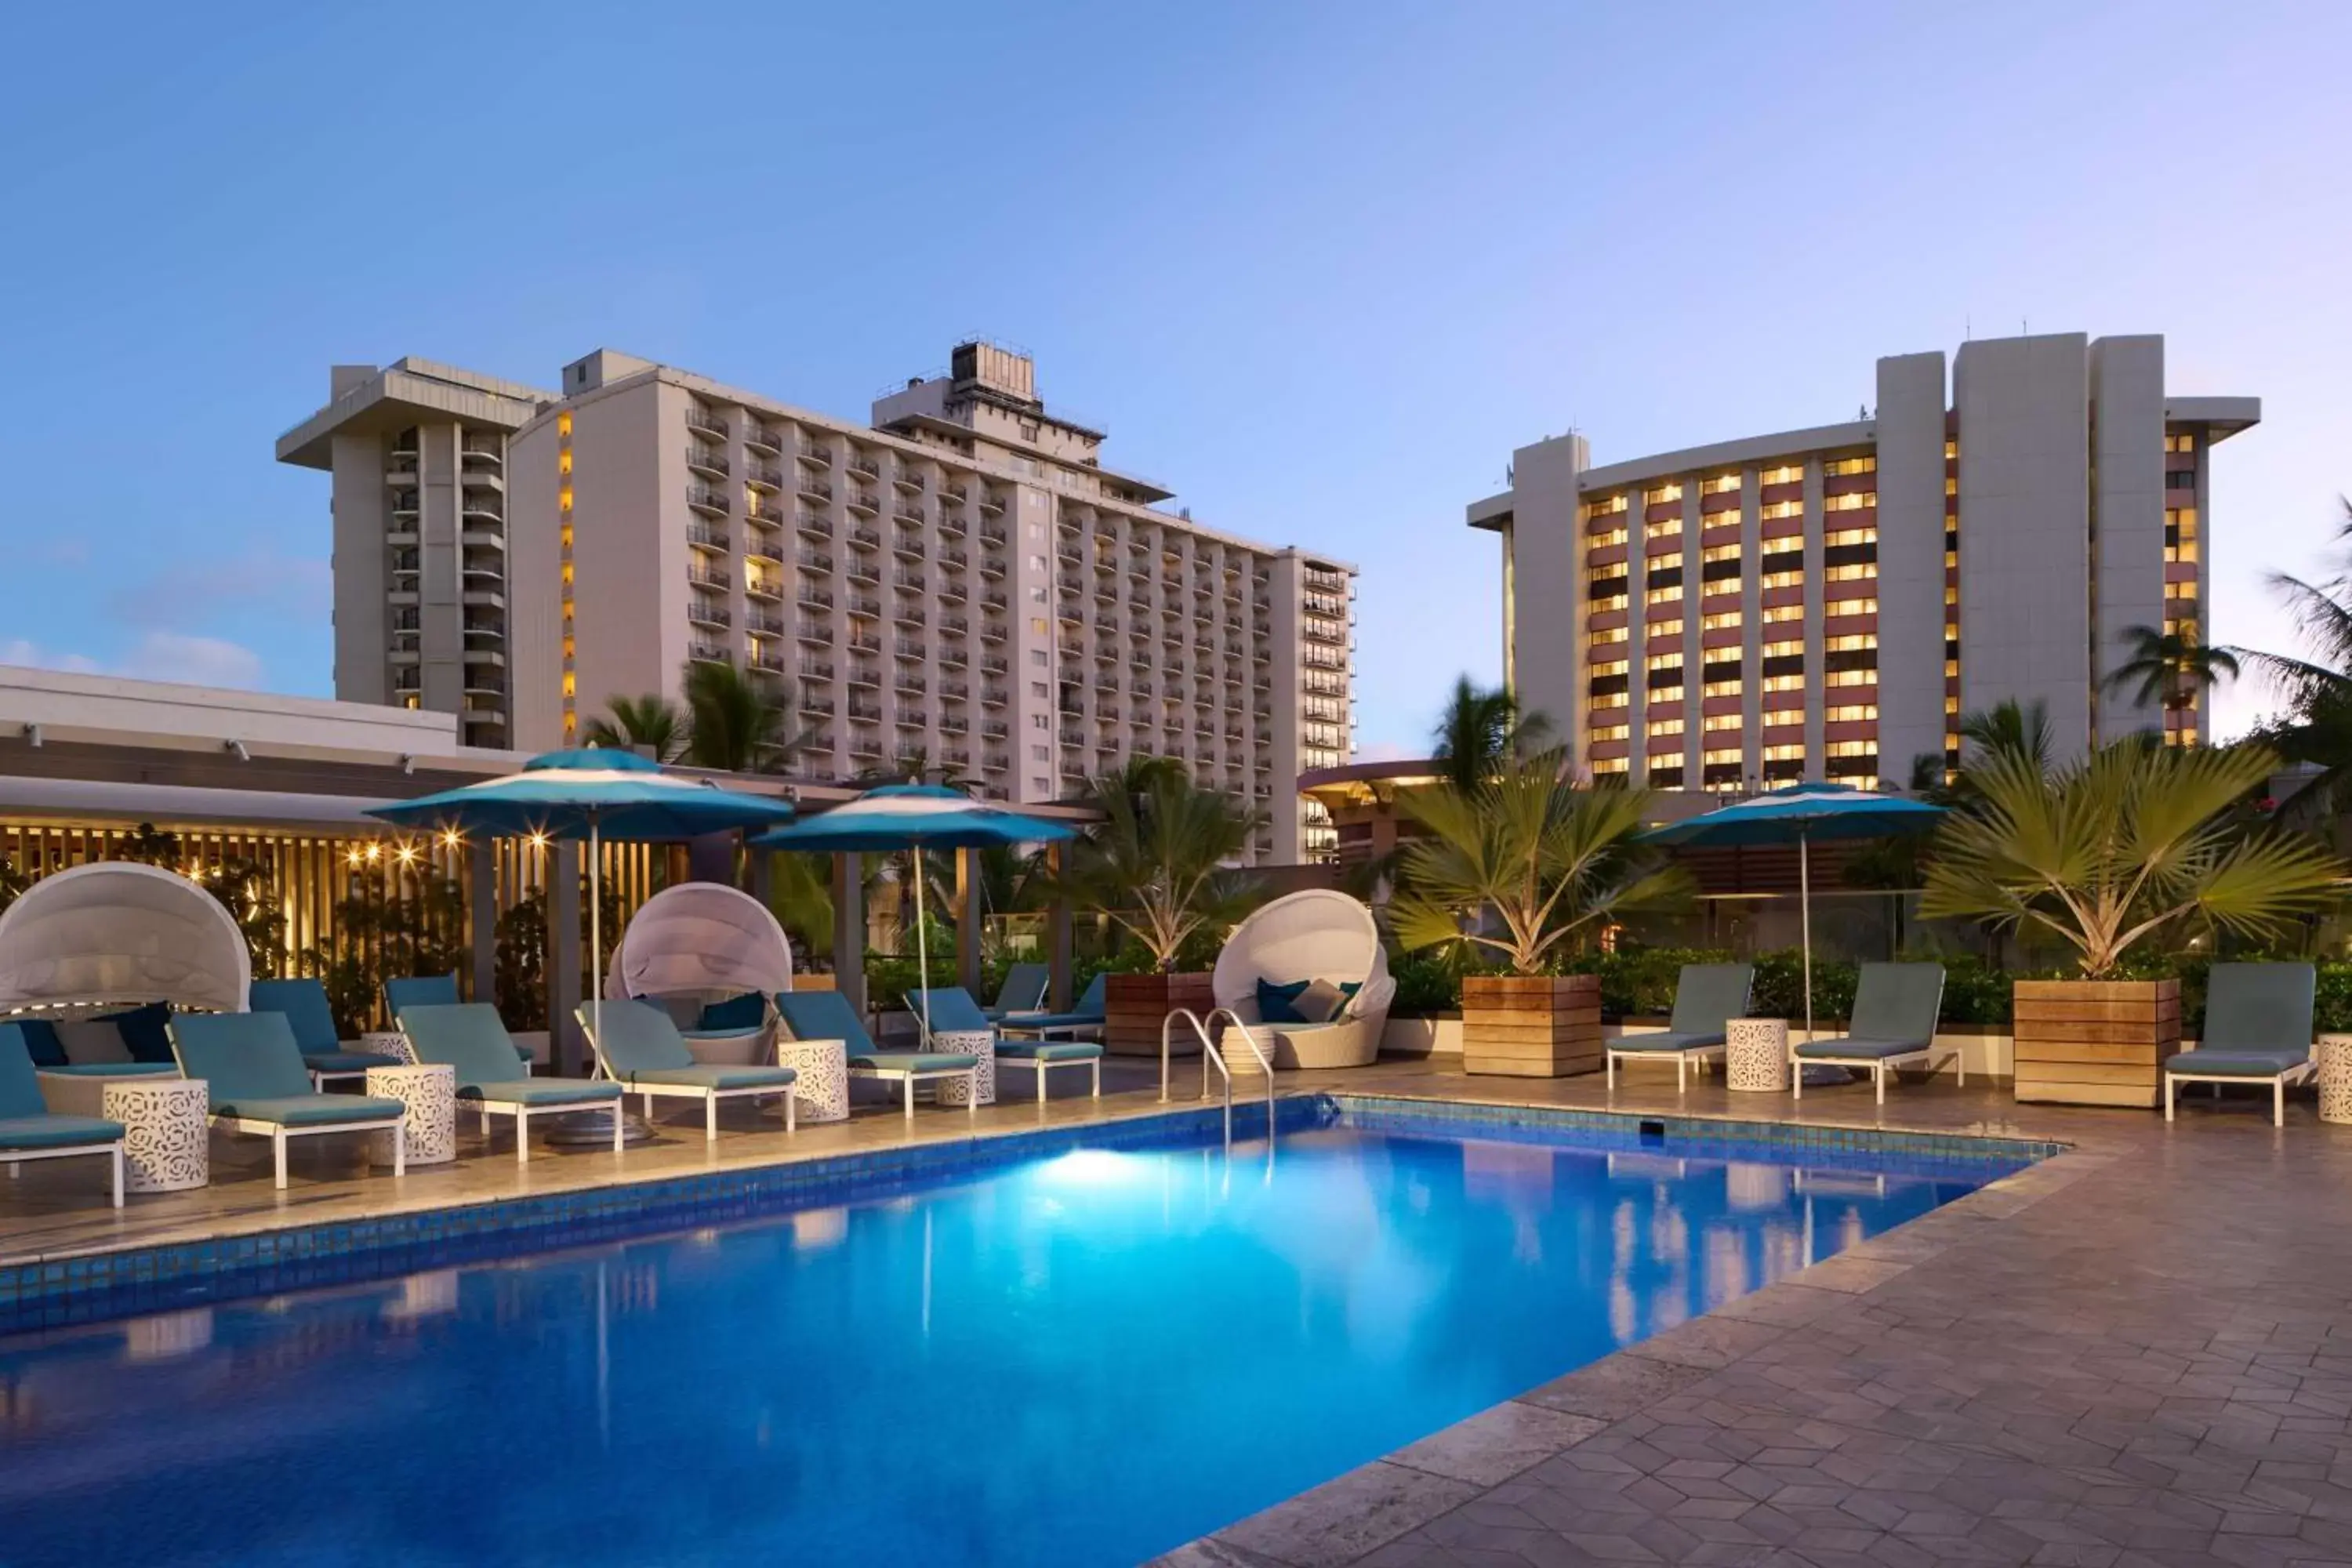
(2173, 667)
(734, 724)
(2109, 850)
(1481, 730)
(651, 723)
(2007, 728)
(1161, 861)
(2317, 728)
(1550, 863)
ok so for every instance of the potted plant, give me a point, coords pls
(1161, 863)
(2105, 854)
(1522, 867)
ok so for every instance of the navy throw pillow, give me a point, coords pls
(1279, 1004)
(747, 1011)
(41, 1040)
(145, 1032)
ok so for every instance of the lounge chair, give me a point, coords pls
(1706, 997)
(1024, 991)
(1895, 1007)
(2257, 1030)
(468, 1037)
(403, 992)
(257, 1083)
(304, 1004)
(952, 1008)
(28, 1130)
(827, 1016)
(639, 1047)
(1089, 1016)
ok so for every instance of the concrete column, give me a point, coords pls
(2126, 519)
(1059, 998)
(849, 929)
(967, 919)
(563, 979)
(482, 918)
(1910, 562)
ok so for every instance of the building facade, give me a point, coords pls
(1824, 603)
(961, 580)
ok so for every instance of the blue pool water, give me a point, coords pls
(1088, 1358)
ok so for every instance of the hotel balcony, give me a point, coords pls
(707, 460)
(706, 420)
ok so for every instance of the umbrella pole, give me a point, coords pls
(595, 917)
(1805, 920)
(922, 948)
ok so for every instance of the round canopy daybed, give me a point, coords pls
(1318, 935)
(703, 942)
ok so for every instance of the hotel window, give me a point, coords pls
(1659, 661)
(1852, 500)
(1610, 733)
(1852, 749)
(1783, 683)
(1664, 729)
(1839, 468)
(1775, 613)
(1613, 666)
(1594, 576)
(1717, 722)
(1852, 643)
(1603, 541)
(1786, 474)
(1859, 571)
(1951, 449)
(1720, 484)
(1787, 649)
(1851, 607)
(1664, 560)
(1726, 687)
(1865, 534)
(1608, 506)
(1610, 765)
(2179, 442)
(1951, 485)
(1718, 562)
(1850, 713)
(1671, 627)
(1779, 509)
(1720, 620)
(1664, 596)
(1661, 494)
(1781, 580)
(1601, 639)
(1660, 530)
(1851, 677)
(1610, 700)
(1784, 753)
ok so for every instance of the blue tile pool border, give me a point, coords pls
(132, 1282)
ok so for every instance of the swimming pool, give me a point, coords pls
(1087, 1357)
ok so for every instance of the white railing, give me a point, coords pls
(1209, 1054)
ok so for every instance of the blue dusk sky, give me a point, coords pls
(1319, 268)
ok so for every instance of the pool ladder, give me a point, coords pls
(1209, 1054)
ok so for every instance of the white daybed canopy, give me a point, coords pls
(1318, 934)
(703, 941)
(119, 932)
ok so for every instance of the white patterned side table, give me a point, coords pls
(167, 1136)
(821, 1093)
(2336, 1078)
(981, 1043)
(1756, 1056)
(386, 1043)
(429, 1125)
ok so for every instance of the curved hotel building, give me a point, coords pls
(1823, 603)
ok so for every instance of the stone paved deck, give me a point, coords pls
(2137, 1353)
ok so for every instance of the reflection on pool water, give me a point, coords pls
(1084, 1359)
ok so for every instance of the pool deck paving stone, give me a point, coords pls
(2135, 1354)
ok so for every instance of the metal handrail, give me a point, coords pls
(1209, 1053)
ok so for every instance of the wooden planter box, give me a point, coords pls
(1532, 1027)
(1135, 1006)
(2095, 1042)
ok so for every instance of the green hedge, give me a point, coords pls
(1640, 983)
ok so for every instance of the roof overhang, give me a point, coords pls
(2221, 417)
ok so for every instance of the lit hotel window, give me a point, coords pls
(1839, 468)
(1786, 474)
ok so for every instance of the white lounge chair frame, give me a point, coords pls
(523, 1114)
(2301, 1073)
(111, 1146)
(710, 1097)
(277, 1133)
(910, 1077)
(1694, 1055)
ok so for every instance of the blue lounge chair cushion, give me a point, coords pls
(242, 1057)
(948, 1007)
(47, 1131)
(1054, 1021)
(304, 1003)
(310, 1110)
(1666, 1040)
(1048, 1051)
(699, 1032)
(1023, 990)
(469, 1036)
(2238, 1062)
(2264, 1008)
(1854, 1045)
(1279, 1004)
(912, 1061)
(146, 1031)
(20, 1084)
(403, 992)
(536, 1093)
(1709, 995)
(113, 1069)
(823, 1016)
(715, 1076)
(41, 1040)
(736, 1015)
(344, 1061)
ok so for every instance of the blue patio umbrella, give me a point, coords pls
(1801, 813)
(593, 794)
(914, 816)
